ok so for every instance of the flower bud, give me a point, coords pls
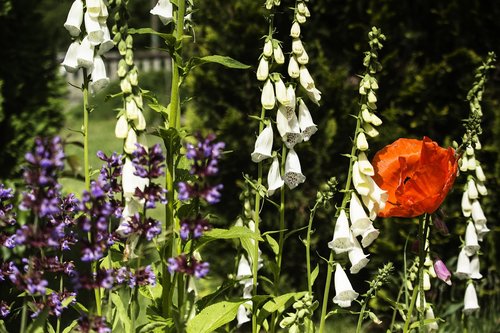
(268, 48)
(442, 271)
(300, 18)
(361, 142)
(472, 189)
(263, 69)
(121, 128)
(140, 121)
(281, 92)
(303, 59)
(293, 68)
(480, 174)
(295, 30)
(278, 55)
(297, 46)
(267, 98)
(306, 79)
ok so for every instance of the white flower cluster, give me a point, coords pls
(468, 259)
(86, 50)
(164, 11)
(293, 118)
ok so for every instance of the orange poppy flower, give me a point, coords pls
(417, 174)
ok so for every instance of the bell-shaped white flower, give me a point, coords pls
(463, 265)
(375, 121)
(75, 18)
(344, 294)
(471, 303)
(474, 268)
(263, 69)
(295, 30)
(70, 61)
(263, 145)
(481, 188)
(477, 213)
(268, 48)
(357, 214)
(93, 28)
(481, 229)
(278, 55)
(140, 121)
(472, 189)
(293, 67)
(293, 173)
(480, 173)
(129, 147)
(85, 55)
(274, 179)
(99, 78)
(342, 237)
(314, 95)
(372, 206)
(93, 7)
(357, 257)
(429, 315)
(281, 93)
(163, 10)
(121, 128)
(131, 109)
(300, 18)
(103, 13)
(370, 130)
(466, 204)
(471, 244)
(361, 142)
(290, 91)
(369, 235)
(306, 124)
(107, 43)
(267, 98)
(359, 180)
(132, 206)
(364, 165)
(376, 193)
(244, 270)
(426, 280)
(125, 85)
(303, 59)
(463, 163)
(297, 46)
(243, 315)
(305, 78)
(288, 128)
(131, 182)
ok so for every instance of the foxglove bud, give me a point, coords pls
(121, 128)
(472, 189)
(281, 93)
(303, 59)
(263, 69)
(293, 68)
(361, 142)
(480, 173)
(267, 98)
(306, 79)
(129, 146)
(268, 48)
(295, 30)
(442, 271)
(297, 46)
(140, 122)
(279, 57)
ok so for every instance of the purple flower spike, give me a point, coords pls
(201, 269)
(442, 271)
(4, 309)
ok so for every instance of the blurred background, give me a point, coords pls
(429, 57)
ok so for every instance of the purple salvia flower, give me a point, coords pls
(212, 194)
(184, 191)
(4, 309)
(35, 284)
(145, 276)
(152, 228)
(201, 269)
(442, 271)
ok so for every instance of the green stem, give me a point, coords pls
(256, 219)
(422, 252)
(308, 247)
(410, 309)
(393, 320)
(24, 317)
(361, 315)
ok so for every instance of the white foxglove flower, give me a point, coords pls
(471, 303)
(303, 59)
(93, 7)
(278, 55)
(243, 315)
(140, 122)
(481, 188)
(480, 173)
(93, 28)
(370, 130)
(297, 46)
(366, 115)
(466, 204)
(125, 86)
(132, 206)
(474, 268)
(263, 145)
(481, 230)
(472, 189)
(121, 128)
(314, 95)
(163, 10)
(268, 48)
(107, 43)
(344, 294)
(293, 68)
(365, 167)
(377, 194)
(372, 98)
(477, 213)
(99, 78)
(372, 206)
(293, 173)
(75, 18)
(306, 124)
(295, 30)
(85, 55)
(244, 272)
(375, 121)
(131, 109)
(357, 214)
(429, 315)
(463, 265)
(281, 93)
(361, 142)
(130, 181)
(471, 244)
(300, 18)
(306, 79)
(290, 91)
(471, 163)
(263, 69)
(342, 237)
(274, 179)
(103, 13)
(357, 257)
(369, 235)
(301, 8)
(463, 163)
(70, 61)
(426, 281)
(418, 301)
(288, 128)
(359, 180)
(129, 147)
(267, 98)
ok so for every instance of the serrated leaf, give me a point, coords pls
(214, 316)
(279, 304)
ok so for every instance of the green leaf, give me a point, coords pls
(121, 311)
(169, 39)
(279, 303)
(273, 244)
(207, 300)
(314, 274)
(223, 60)
(69, 329)
(38, 326)
(214, 316)
(233, 232)
(152, 327)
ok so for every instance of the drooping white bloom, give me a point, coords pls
(357, 257)
(480, 173)
(303, 59)
(359, 180)
(140, 121)
(99, 78)
(306, 124)
(314, 95)
(466, 204)
(481, 229)
(93, 7)
(429, 315)
(243, 315)
(131, 109)
(342, 237)
(474, 268)
(267, 98)
(130, 181)
(125, 85)
(369, 235)
(293, 67)
(263, 145)
(163, 10)
(344, 294)
(357, 214)
(70, 61)
(75, 18)
(288, 128)
(121, 128)
(375, 120)
(107, 43)
(427, 280)
(372, 206)
(290, 91)
(463, 266)
(370, 130)
(268, 48)
(245, 274)
(472, 189)
(244, 270)
(278, 55)
(263, 69)
(481, 188)
(129, 147)
(85, 55)
(132, 206)
(300, 18)
(471, 303)
(377, 194)
(477, 213)
(93, 28)
(361, 142)
(471, 244)
(281, 93)
(305, 79)
(295, 30)
(297, 46)
(364, 165)
(274, 179)
(293, 173)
